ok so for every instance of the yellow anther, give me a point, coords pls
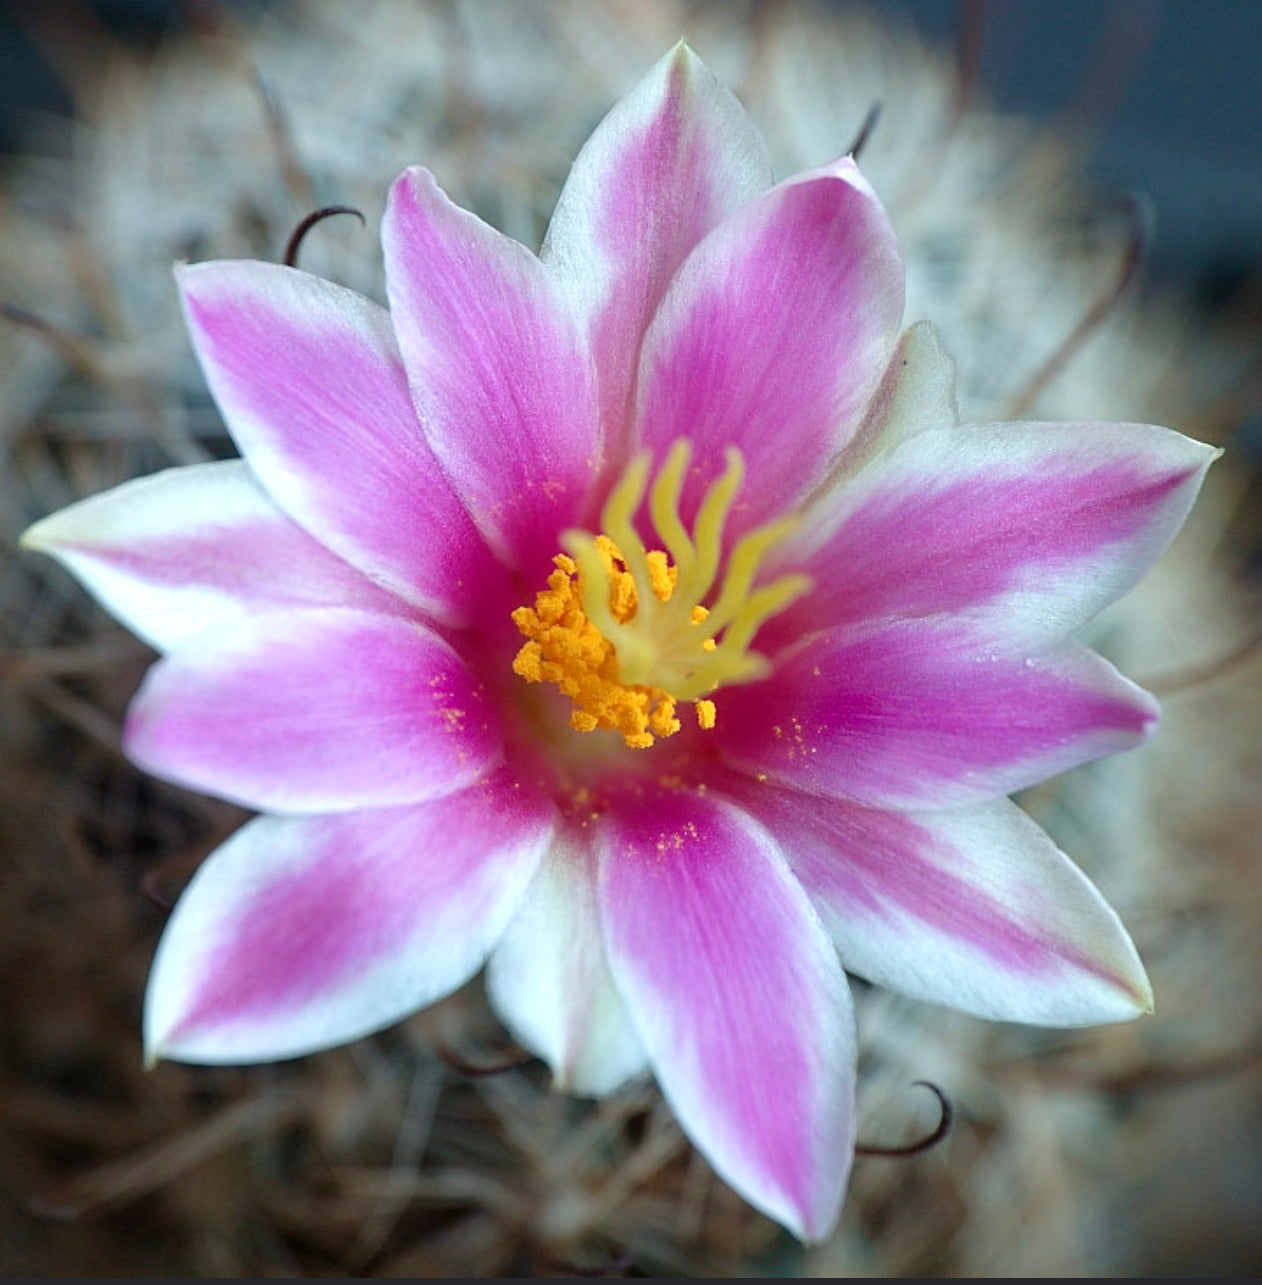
(622, 630)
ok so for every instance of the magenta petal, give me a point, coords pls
(773, 336)
(549, 981)
(500, 374)
(925, 714)
(196, 548)
(1042, 525)
(670, 161)
(312, 387)
(738, 998)
(972, 907)
(300, 933)
(315, 711)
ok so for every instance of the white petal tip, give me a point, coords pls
(1136, 994)
(36, 535)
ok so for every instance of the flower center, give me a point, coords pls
(623, 630)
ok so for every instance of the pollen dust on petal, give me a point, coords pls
(453, 717)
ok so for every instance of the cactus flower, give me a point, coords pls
(638, 620)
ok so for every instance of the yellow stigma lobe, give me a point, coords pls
(621, 629)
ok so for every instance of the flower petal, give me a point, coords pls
(927, 714)
(1041, 525)
(315, 711)
(773, 336)
(973, 907)
(670, 161)
(500, 374)
(738, 997)
(312, 388)
(549, 981)
(195, 548)
(917, 395)
(300, 933)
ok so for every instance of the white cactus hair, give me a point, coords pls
(1067, 1153)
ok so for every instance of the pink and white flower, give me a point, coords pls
(390, 629)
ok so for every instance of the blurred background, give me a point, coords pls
(135, 134)
(1166, 94)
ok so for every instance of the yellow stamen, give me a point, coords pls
(621, 629)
